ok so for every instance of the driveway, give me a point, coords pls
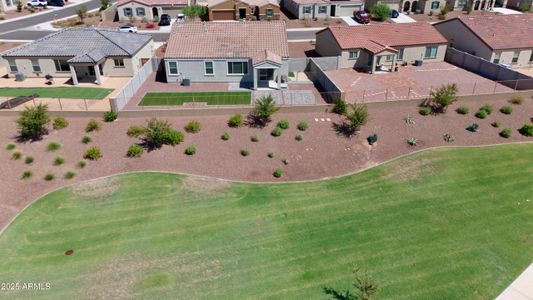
(403, 18)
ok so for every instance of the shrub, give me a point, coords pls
(135, 151)
(264, 108)
(86, 139)
(49, 177)
(135, 131)
(52, 146)
(10, 147)
(245, 152)
(409, 120)
(495, 124)
(58, 161)
(28, 160)
(506, 133)
(412, 141)
(277, 173)
(276, 131)
(93, 125)
(225, 136)
(254, 138)
(425, 111)
(487, 108)
(285, 161)
(527, 130)
(463, 110)
(174, 137)
(190, 150)
(302, 126)
(473, 127)
(235, 121)
(517, 100)
(299, 137)
(443, 97)
(81, 164)
(26, 175)
(69, 175)
(110, 116)
(340, 107)
(158, 133)
(93, 153)
(381, 12)
(357, 117)
(270, 154)
(16, 155)
(448, 138)
(506, 110)
(481, 114)
(372, 139)
(32, 122)
(193, 127)
(60, 123)
(283, 124)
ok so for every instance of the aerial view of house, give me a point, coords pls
(149, 9)
(322, 9)
(220, 10)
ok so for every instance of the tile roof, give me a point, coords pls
(82, 45)
(501, 31)
(376, 38)
(227, 40)
(260, 3)
(156, 2)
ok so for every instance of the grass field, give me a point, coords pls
(211, 98)
(58, 92)
(441, 224)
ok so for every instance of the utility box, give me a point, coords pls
(20, 77)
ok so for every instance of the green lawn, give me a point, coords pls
(211, 98)
(441, 224)
(58, 92)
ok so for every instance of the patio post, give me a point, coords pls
(279, 81)
(255, 78)
(97, 72)
(374, 60)
(394, 63)
(73, 75)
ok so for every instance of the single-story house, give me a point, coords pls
(249, 53)
(243, 10)
(382, 46)
(149, 9)
(322, 9)
(7, 5)
(517, 4)
(474, 4)
(501, 39)
(81, 53)
(411, 6)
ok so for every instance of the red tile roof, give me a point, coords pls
(376, 38)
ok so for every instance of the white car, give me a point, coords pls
(128, 28)
(34, 3)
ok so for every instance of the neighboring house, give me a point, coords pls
(243, 10)
(474, 4)
(149, 9)
(383, 46)
(7, 5)
(250, 53)
(81, 53)
(322, 9)
(422, 6)
(501, 39)
(519, 4)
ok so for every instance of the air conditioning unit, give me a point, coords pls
(20, 76)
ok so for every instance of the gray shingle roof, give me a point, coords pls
(83, 45)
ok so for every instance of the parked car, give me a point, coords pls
(164, 20)
(56, 3)
(34, 3)
(394, 14)
(361, 17)
(128, 28)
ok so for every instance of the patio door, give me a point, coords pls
(266, 74)
(91, 71)
(242, 13)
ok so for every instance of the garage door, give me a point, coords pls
(347, 10)
(223, 15)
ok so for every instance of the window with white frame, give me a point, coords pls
(140, 11)
(400, 53)
(322, 9)
(389, 57)
(237, 67)
(307, 9)
(35, 65)
(209, 68)
(172, 68)
(128, 11)
(353, 54)
(435, 5)
(118, 62)
(9, 3)
(13, 66)
(431, 52)
(269, 12)
(61, 65)
(516, 54)
(497, 56)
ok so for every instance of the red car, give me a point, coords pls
(361, 17)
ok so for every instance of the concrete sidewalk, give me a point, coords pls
(521, 288)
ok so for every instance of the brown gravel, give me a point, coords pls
(321, 154)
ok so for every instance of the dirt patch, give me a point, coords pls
(204, 184)
(97, 188)
(69, 252)
(411, 168)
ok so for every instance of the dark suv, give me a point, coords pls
(165, 20)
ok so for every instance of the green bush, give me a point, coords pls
(81, 164)
(270, 154)
(463, 110)
(135, 150)
(495, 124)
(487, 108)
(190, 150)
(93, 153)
(285, 161)
(302, 126)
(481, 114)
(174, 137)
(443, 97)
(110, 116)
(254, 138)
(245, 152)
(60, 123)
(16, 155)
(69, 175)
(93, 125)
(299, 137)
(277, 173)
(473, 127)
(158, 133)
(506, 133)
(235, 121)
(506, 110)
(448, 138)
(10, 147)
(49, 177)
(28, 160)
(425, 111)
(264, 108)
(283, 124)
(225, 136)
(52, 146)
(372, 139)
(135, 131)
(58, 161)
(412, 142)
(340, 107)
(32, 122)
(517, 100)
(276, 131)
(86, 139)
(381, 12)
(193, 127)
(26, 175)
(527, 130)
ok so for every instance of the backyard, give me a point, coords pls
(210, 98)
(58, 92)
(449, 223)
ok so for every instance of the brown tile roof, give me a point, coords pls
(228, 40)
(376, 38)
(155, 2)
(501, 31)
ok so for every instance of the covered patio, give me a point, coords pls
(383, 60)
(268, 71)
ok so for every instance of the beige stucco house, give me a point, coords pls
(322, 9)
(87, 54)
(382, 46)
(501, 39)
(411, 6)
(243, 10)
(149, 9)
(7, 5)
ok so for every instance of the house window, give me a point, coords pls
(353, 54)
(237, 67)
(128, 12)
(515, 56)
(435, 5)
(61, 66)
(400, 54)
(307, 9)
(140, 11)
(172, 68)
(9, 2)
(269, 12)
(389, 57)
(431, 52)
(13, 66)
(119, 63)
(322, 9)
(35, 65)
(209, 68)
(497, 56)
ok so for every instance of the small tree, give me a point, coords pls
(32, 122)
(193, 11)
(264, 108)
(443, 97)
(357, 117)
(159, 132)
(82, 12)
(364, 288)
(104, 4)
(381, 12)
(19, 6)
